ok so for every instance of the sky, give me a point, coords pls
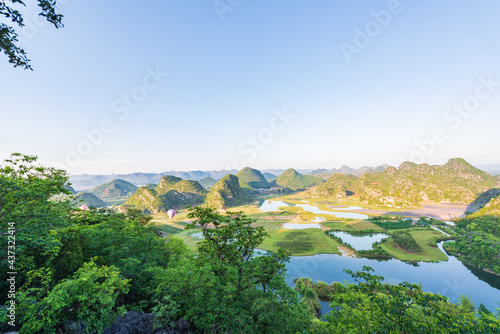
(151, 86)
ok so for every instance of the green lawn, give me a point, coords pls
(427, 254)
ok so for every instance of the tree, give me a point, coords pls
(25, 190)
(226, 287)
(8, 35)
(88, 299)
(373, 307)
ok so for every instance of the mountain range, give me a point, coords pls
(455, 182)
(85, 182)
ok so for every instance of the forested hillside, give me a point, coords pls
(455, 182)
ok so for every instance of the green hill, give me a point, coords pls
(114, 188)
(490, 209)
(293, 180)
(89, 200)
(147, 200)
(455, 182)
(269, 176)
(252, 178)
(167, 183)
(207, 182)
(338, 185)
(227, 193)
(171, 192)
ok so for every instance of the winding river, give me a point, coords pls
(450, 278)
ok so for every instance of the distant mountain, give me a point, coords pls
(338, 186)
(252, 178)
(490, 169)
(207, 182)
(114, 188)
(325, 174)
(269, 176)
(227, 193)
(293, 180)
(171, 192)
(89, 200)
(70, 188)
(87, 181)
(455, 182)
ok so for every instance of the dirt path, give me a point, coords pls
(346, 251)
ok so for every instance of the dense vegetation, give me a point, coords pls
(455, 182)
(405, 240)
(85, 268)
(478, 243)
(492, 208)
(373, 307)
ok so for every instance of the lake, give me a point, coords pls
(299, 226)
(360, 242)
(450, 278)
(268, 206)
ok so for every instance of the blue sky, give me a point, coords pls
(152, 86)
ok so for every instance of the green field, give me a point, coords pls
(319, 241)
(422, 237)
(308, 241)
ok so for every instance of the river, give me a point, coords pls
(450, 278)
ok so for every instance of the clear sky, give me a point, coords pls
(151, 86)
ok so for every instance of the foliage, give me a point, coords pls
(373, 307)
(8, 35)
(392, 225)
(478, 243)
(25, 189)
(405, 241)
(226, 288)
(89, 297)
